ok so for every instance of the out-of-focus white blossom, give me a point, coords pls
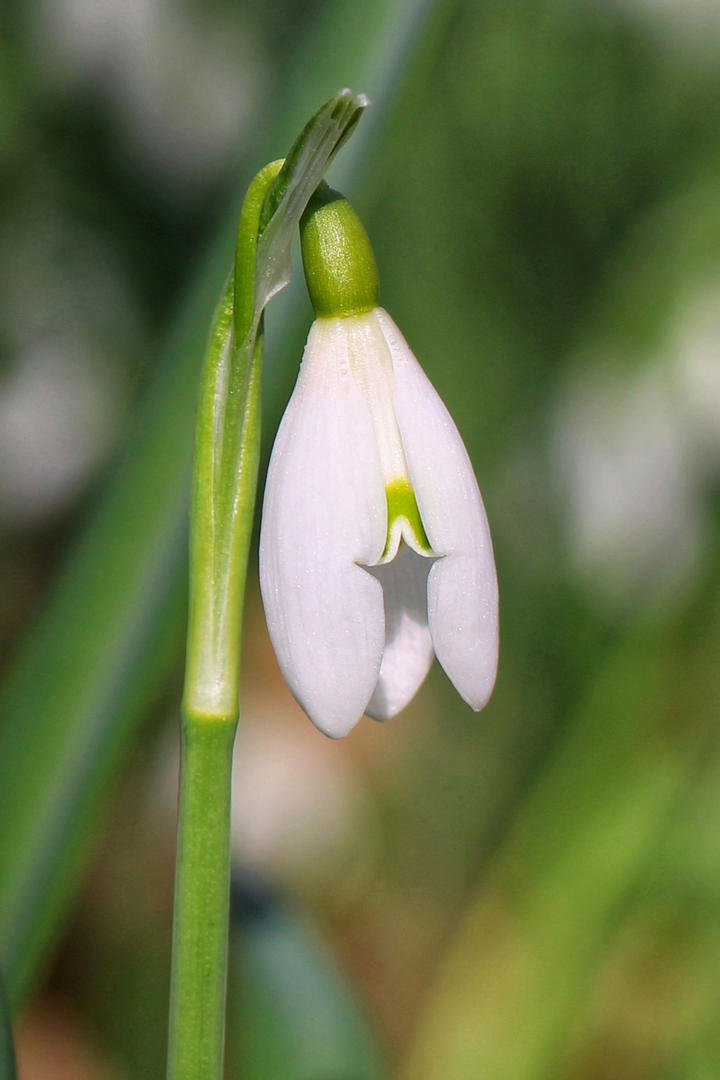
(623, 455)
(181, 79)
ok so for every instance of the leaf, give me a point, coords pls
(291, 1014)
(509, 989)
(8, 1069)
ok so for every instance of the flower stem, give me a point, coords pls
(226, 461)
(227, 449)
(197, 1018)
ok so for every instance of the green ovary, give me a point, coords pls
(402, 507)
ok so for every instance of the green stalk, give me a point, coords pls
(8, 1068)
(227, 450)
(197, 1021)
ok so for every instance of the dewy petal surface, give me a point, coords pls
(462, 584)
(408, 645)
(324, 513)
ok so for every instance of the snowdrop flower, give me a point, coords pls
(375, 550)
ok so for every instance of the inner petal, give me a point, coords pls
(403, 521)
(371, 367)
(408, 647)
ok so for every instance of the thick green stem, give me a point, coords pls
(202, 884)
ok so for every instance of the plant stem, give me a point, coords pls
(202, 883)
(226, 462)
(227, 448)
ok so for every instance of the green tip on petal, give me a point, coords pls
(339, 264)
(403, 519)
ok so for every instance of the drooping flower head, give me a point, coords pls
(375, 550)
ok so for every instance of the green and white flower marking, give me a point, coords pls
(375, 551)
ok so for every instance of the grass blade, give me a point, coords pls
(291, 1014)
(8, 1070)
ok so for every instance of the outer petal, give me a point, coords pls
(324, 512)
(408, 645)
(462, 586)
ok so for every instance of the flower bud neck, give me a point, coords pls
(339, 265)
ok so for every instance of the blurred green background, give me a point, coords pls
(528, 894)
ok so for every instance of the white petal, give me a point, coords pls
(462, 586)
(408, 645)
(324, 512)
